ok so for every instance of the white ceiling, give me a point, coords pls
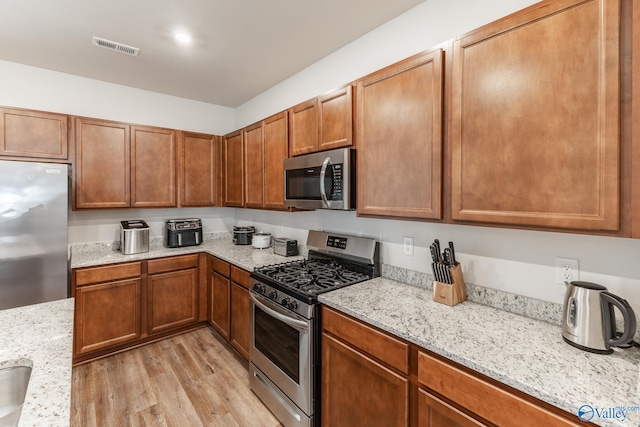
(240, 48)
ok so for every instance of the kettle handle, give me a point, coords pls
(608, 300)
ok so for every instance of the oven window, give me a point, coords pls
(279, 342)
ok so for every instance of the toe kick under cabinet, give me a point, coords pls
(370, 377)
(123, 305)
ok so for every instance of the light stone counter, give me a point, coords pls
(41, 335)
(524, 353)
(243, 256)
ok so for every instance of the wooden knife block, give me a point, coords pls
(451, 294)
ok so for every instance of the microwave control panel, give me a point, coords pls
(336, 190)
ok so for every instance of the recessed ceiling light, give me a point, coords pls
(183, 37)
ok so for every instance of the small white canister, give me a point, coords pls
(261, 240)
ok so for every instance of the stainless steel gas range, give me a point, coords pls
(285, 338)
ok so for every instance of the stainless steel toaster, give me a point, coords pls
(134, 237)
(285, 247)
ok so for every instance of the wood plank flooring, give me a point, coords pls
(193, 379)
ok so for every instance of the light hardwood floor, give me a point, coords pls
(193, 379)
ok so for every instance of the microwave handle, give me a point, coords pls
(323, 172)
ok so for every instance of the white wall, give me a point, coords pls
(39, 89)
(421, 28)
(104, 225)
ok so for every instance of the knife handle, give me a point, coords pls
(453, 254)
(437, 243)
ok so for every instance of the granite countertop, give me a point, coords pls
(243, 256)
(41, 335)
(524, 353)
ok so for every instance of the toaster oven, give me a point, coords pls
(183, 232)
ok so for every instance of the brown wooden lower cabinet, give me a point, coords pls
(240, 319)
(106, 314)
(122, 305)
(220, 293)
(358, 391)
(172, 300)
(229, 308)
(434, 412)
(364, 383)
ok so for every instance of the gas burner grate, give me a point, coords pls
(312, 276)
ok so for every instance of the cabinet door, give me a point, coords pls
(303, 128)
(153, 167)
(276, 150)
(37, 134)
(254, 166)
(172, 299)
(198, 159)
(357, 391)
(106, 314)
(399, 139)
(102, 164)
(434, 412)
(535, 118)
(219, 292)
(335, 112)
(233, 170)
(240, 318)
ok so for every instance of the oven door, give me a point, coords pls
(282, 349)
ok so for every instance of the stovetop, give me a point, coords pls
(312, 276)
(334, 261)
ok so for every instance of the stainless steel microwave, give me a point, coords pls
(324, 180)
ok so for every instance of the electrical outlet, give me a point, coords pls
(567, 269)
(407, 247)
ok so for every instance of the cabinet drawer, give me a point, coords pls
(111, 272)
(220, 266)
(240, 276)
(172, 263)
(483, 398)
(434, 412)
(391, 351)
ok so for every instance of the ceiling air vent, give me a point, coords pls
(118, 47)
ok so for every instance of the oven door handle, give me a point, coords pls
(294, 323)
(323, 172)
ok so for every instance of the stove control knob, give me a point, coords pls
(289, 303)
(260, 288)
(273, 295)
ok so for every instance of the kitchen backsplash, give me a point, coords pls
(518, 304)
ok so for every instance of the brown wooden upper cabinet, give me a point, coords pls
(276, 150)
(535, 116)
(399, 139)
(119, 165)
(199, 170)
(254, 165)
(233, 157)
(153, 167)
(33, 134)
(322, 123)
(266, 148)
(101, 169)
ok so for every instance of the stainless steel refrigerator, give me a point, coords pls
(33, 233)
